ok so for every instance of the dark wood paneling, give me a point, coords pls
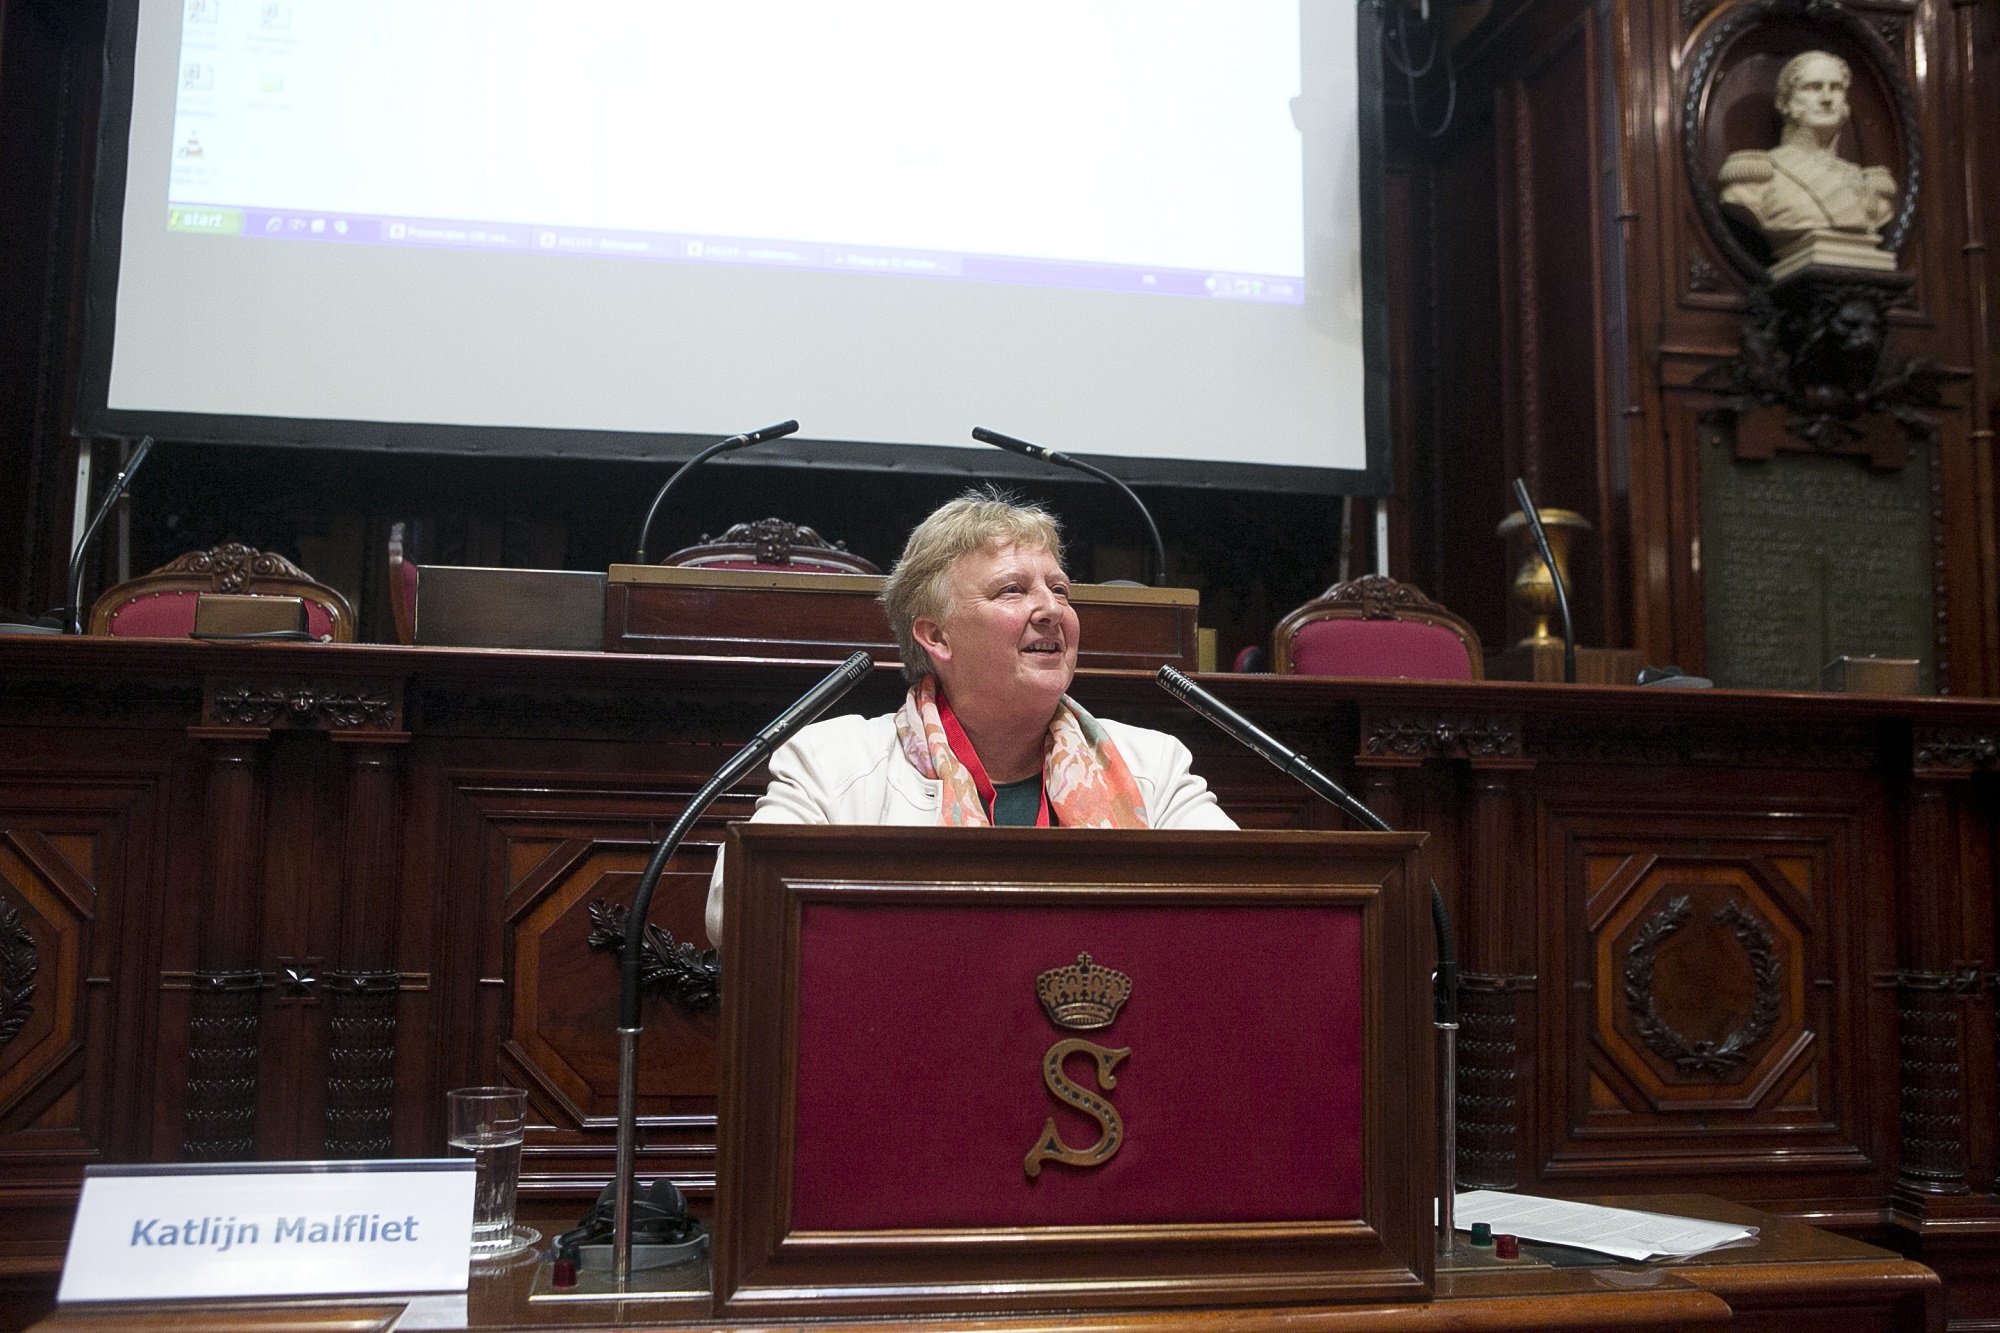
(1461, 383)
(1858, 831)
(1605, 298)
(1560, 310)
(1856, 834)
(84, 848)
(1692, 915)
(49, 59)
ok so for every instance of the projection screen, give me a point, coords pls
(1141, 231)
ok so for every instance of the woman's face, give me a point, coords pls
(1009, 637)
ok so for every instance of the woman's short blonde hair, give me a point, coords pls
(920, 585)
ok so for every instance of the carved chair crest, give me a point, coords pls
(232, 567)
(1379, 597)
(773, 541)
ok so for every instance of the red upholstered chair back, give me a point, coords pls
(773, 544)
(1375, 626)
(402, 585)
(160, 605)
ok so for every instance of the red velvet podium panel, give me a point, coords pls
(1046, 1069)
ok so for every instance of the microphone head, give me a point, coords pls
(1009, 443)
(1174, 683)
(777, 432)
(858, 665)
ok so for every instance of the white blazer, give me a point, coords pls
(852, 770)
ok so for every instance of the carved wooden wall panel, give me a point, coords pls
(527, 855)
(562, 1013)
(1714, 965)
(1829, 970)
(1555, 226)
(46, 906)
(81, 855)
(68, 845)
(1698, 309)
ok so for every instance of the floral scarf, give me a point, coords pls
(1083, 776)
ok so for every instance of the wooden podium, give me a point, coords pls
(1058, 1069)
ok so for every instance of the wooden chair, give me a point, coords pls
(160, 605)
(773, 544)
(1376, 626)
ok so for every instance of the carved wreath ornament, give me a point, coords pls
(18, 964)
(1714, 1058)
(690, 978)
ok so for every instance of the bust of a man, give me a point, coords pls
(1803, 190)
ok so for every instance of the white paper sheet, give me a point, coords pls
(1623, 1232)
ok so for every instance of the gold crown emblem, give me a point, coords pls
(1083, 995)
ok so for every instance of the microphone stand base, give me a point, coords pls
(687, 1282)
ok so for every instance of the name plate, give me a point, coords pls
(270, 1229)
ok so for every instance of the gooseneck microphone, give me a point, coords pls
(814, 702)
(1295, 765)
(1026, 450)
(1268, 748)
(1541, 535)
(1444, 989)
(73, 608)
(779, 431)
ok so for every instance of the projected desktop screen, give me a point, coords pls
(1127, 229)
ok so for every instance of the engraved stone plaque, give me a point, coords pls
(1805, 557)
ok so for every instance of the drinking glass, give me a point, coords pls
(489, 1124)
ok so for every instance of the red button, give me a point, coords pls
(1506, 1247)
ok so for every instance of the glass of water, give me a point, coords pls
(489, 1124)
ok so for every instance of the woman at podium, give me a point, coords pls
(987, 734)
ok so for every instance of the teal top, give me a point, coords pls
(1017, 804)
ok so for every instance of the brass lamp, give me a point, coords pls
(1534, 591)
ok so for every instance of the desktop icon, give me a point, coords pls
(340, 226)
(396, 230)
(319, 225)
(273, 223)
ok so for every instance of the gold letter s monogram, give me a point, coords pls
(1051, 1147)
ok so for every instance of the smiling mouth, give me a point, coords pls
(1054, 649)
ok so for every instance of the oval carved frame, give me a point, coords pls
(1712, 40)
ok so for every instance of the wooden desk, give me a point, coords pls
(697, 610)
(1793, 1276)
(383, 860)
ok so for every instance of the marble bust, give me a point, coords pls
(1810, 203)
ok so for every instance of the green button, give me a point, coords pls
(221, 221)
